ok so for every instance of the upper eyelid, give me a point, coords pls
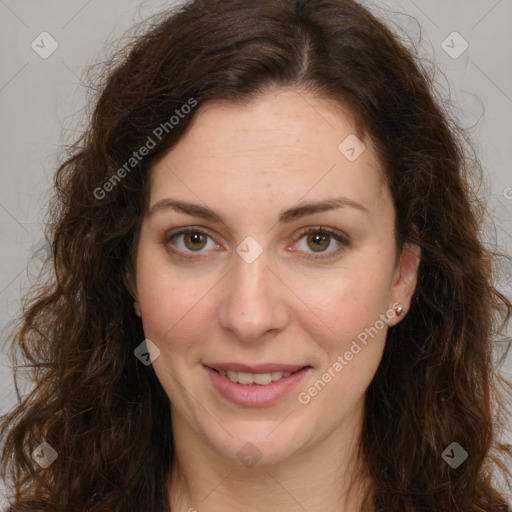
(208, 231)
(302, 232)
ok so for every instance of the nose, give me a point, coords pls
(253, 302)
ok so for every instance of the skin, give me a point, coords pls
(250, 162)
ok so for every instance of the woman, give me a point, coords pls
(269, 288)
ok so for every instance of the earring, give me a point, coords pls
(399, 309)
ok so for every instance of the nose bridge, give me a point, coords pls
(252, 303)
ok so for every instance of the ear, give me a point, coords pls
(405, 279)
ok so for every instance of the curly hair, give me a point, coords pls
(108, 417)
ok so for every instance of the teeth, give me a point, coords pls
(254, 378)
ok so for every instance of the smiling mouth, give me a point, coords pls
(261, 379)
(257, 385)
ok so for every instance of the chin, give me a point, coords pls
(261, 445)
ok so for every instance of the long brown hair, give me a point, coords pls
(107, 416)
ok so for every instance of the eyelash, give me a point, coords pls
(342, 239)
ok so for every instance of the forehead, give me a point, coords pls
(284, 144)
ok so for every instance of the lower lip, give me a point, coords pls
(255, 395)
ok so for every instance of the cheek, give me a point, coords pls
(352, 337)
(170, 313)
(163, 298)
(345, 303)
(176, 304)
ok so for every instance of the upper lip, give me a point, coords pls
(256, 368)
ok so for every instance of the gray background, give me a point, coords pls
(41, 103)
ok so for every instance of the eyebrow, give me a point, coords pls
(289, 215)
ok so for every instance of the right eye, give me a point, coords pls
(193, 240)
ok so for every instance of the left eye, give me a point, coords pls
(321, 239)
(318, 239)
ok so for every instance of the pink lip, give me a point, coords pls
(256, 368)
(256, 395)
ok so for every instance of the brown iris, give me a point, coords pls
(321, 241)
(195, 238)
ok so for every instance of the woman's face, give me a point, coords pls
(247, 289)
